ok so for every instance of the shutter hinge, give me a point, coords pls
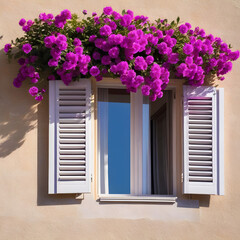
(182, 178)
(91, 178)
(174, 95)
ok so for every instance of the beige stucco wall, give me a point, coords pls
(28, 212)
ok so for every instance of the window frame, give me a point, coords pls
(176, 88)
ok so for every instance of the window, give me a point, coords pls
(135, 143)
(139, 143)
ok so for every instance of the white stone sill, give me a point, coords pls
(134, 198)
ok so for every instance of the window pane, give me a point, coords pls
(161, 158)
(114, 109)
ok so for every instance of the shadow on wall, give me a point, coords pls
(43, 198)
(18, 114)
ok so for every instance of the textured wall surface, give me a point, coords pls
(28, 212)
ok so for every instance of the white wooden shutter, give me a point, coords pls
(203, 140)
(69, 137)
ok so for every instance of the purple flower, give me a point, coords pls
(126, 20)
(66, 14)
(56, 53)
(122, 67)
(22, 22)
(149, 60)
(94, 14)
(39, 98)
(51, 77)
(116, 15)
(140, 64)
(84, 12)
(113, 25)
(94, 71)
(155, 72)
(77, 42)
(92, 38)
(78, 50)
(234, 55)
(106, 60)
(53, 63)
(188, 49)
(107, 10)
(21, 61)
(183, 29)
(162, 48)
(96, 56)
(7, 47)
(17, 82)
(27, 48)
(33, 91)
(105, 30)
(26, 28)
(49, 41)
(29, 23)
(173, 58)
(146, 90)
(113, 52)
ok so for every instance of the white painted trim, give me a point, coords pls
(133, 198)
(220, 114)
(52, 139)
(136, 134)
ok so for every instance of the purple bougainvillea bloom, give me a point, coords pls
(94, 14)
(33, 91)
(149, 60)
(140, 64)
(39, 98)
(162, 48)
(234, 55)
(52, 62)
(21, 61)
(22, 22)
(26, 28)
(116, 15)
(29, 23)
(113, 25)
(66, 14)
(183, 29)
(106, 60)
(126, 20)
(105, 30)
(27, 48)
(7, 47)
(77, 42)
(107, 10)
(173, 58)
(113, 52)
(146, 90)
(94, 71)
(84, 12)
(92, 38)
(188, 49)
(49, 41)
(51, 77)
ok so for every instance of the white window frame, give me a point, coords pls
(138, 192)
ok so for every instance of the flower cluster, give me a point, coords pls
(141, 53)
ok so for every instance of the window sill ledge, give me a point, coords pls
(132, 198)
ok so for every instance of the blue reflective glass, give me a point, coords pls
(114, 107)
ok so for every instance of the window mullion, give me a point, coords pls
(136, 143)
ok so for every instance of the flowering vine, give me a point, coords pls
(139, 52)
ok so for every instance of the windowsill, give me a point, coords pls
(132, 198)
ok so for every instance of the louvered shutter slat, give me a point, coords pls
(200, 140)
(72, 137)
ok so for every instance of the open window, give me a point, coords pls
(134, 145)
